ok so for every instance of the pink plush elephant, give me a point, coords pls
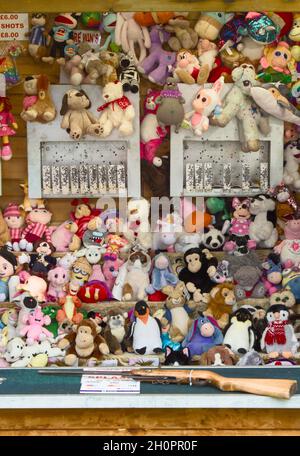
(57, 278)
(34, 328)
(111, 270)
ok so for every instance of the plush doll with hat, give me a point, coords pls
(61, 34)
(14, 219)
(8, 266)
(37, 228)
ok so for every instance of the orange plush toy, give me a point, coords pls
(146, 19)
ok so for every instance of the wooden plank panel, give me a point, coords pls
(148, 5)
(149, 421)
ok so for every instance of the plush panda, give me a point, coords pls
(213, 239)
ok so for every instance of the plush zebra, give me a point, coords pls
(129, 76)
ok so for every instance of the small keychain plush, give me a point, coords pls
(7, 121)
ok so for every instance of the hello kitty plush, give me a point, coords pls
(117, 112)
(204, 104)
(152, 134)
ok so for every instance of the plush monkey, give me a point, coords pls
(222, 300)
(85, 343)
(200, 266)
(115, 330)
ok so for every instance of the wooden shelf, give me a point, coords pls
(26, 6)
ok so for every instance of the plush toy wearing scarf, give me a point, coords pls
(117, 112)
(82, 215)
(279, 338)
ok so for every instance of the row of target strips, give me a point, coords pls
(199, 177)
(83, 179)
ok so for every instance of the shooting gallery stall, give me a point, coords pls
(60, 162)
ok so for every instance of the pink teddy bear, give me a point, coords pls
(58, 279)
(34, 329)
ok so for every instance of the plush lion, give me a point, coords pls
(220, 306)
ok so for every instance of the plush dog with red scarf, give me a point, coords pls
(279, 338)
(117, 112)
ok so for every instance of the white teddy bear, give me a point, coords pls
(291, 175)
(117, 112)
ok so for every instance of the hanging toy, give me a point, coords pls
(8, 67)
(6, 119)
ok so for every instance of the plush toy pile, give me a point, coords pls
(224, 280)
(84, 291)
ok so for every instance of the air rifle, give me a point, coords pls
(277, 388)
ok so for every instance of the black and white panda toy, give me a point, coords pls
(213, 239)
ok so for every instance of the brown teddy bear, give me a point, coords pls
(111, 62)
(84, 343)
(77, 120)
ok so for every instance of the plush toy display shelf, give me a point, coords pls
(60, 167)
(214, 165)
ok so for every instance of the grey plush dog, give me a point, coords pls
(170, 101)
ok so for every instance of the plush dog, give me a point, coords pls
(77, 120)
(117, 112)
(37, 104)
(291, 175)
(238, 104)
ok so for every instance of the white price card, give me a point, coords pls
(13, 26)
(112, 384)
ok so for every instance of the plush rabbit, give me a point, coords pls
(129, 34)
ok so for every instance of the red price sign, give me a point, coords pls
(13, 26)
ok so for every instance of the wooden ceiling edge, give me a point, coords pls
(29, 6)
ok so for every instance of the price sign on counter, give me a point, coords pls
(13, 26)
(87, 36)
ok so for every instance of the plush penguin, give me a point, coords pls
(145, 331)
(239, 335)
(279, 337)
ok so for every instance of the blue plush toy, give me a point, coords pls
(203, 335)
(291, 281)
(162, 274)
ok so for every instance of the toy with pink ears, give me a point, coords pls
(206, 102)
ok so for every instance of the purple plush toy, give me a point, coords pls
(203, 335)
(158, 64)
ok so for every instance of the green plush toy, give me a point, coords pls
(218, 207)
(51, 311)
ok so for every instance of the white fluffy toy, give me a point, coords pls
(117, 112)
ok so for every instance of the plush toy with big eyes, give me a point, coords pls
(277, 63)
(200, 266)
(279, 337)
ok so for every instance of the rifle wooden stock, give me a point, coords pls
(278, 388)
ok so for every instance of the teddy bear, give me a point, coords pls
(84, 343)
(183, 36)
(117, 112)
(57, 278)
(62, 237)
(37, 103)
(77, 120)
(291, 175)
(248, 283)
(238, 103)
(110, 61)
